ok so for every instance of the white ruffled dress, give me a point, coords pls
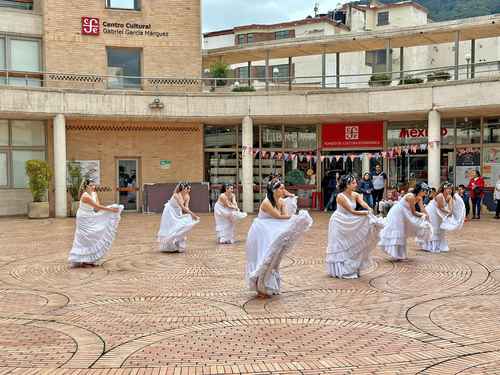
(174, 227)
(268, 240)
(291, 205)
(401, 224)
(351, 239)
(94, 233)
(225, 222)
(442, 224)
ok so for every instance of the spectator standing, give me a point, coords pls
(476, 188)
(366, 188)
(379, 180)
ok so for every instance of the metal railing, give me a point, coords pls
(231, 84)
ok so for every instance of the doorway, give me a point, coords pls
(128, 183)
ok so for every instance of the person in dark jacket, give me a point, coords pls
(366, 188)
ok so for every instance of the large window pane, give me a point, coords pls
(492, 131)
(25, 55)
(4, 132)
(491, 165)
(123, 4)
(3, 169)
(220, 137)
(468, 131)
(2, 53)
(28, 133)
(271, 137)
(124, 63)
(19, 159)
(303, 138)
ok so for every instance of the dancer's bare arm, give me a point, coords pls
(441, 204)
(412, 202)
(342, 201)
(97, 206)
(276, 212)
(361, 202)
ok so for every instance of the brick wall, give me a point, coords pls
(150, 142)
(178, 55)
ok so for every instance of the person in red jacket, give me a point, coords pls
(476, 188)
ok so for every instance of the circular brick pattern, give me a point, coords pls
(10, 302)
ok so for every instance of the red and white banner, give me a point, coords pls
(357, 134)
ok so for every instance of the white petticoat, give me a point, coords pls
(351, 239)
(173, 228)
(94, 234)
(268, 240)
(291, 205)
(225, 220)
(400, 225)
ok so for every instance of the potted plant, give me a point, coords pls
(410, 80)
(219, 70)
(74, 181)
(380, 79)
(440, 75)
(39, 175)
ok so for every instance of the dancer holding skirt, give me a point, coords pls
(273, 233)
(446, 214)
(226, 214)
(96, 227)
(177, 220)
(404, 221)
(352, 235)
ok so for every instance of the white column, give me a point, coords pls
(366, 163)
(247, 164)
(434, 149)
(60, 165)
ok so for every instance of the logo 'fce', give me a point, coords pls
(352, 133)
(90, 26)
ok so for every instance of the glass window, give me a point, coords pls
(2, 53)
(280, 72)
(492, 131)
(382, 18)
(4, 132)
(260, 72)
(272, 137)
(25, 55)
(243, 72)
(303, 138)
(28, 133)
(123, 4)
(250, 38)
(400, 134)
(491, 165)
(3, 169)
(220, 137)
(241, 39)
(124, 63)
(19, 159)
(282, 34)
(468, 131)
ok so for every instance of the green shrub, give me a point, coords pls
(441, 75)
(410, 80)
(243, 89)
(380, 79)
(74, 180)
(39, 175)
(295, 177)
(219, 70)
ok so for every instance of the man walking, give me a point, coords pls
(379, 179)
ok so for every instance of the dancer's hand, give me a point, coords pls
(114, 209)
(195, 217)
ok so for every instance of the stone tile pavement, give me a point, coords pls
(144, 312)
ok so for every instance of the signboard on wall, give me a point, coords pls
(468, 161)
(165, 164)
(368, 134)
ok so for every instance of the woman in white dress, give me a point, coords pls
(444, 217)
(289, 199)
(226, 214)
(96, 227)
(352, 234)
(272, 234)
(408, 218)
(177, 220)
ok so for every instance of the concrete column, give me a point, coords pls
(60, 165)
(323, 70)
(434, 149)
(365, 164)
(267, 70)
(388, 56)
(337, 68)
(473, 58)
(249, 73)
(457, 54)
(290, 68)
(247, 164)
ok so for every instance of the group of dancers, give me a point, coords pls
(354, 230)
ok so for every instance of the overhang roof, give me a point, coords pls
(433, 33)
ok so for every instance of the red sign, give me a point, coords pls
(356, 134)
(90, 26)
(419, 133)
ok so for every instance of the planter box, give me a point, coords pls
(38, 210)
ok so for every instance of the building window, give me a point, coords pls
(24, 4)
(220, 137)
(302, 138)
(272, 137)
(492, 131)
(124, 64)
(260, 72)
(123, 4)
(22, 58)
(280, 72)
(20, 141)
(250, 38)
(241, 39)
(282, 34)
(382, 18)
(3, 63)
(468, 131)
(243, 72)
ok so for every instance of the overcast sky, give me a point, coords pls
(225, 14)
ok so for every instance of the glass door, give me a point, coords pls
(128, 184)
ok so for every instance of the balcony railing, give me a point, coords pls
(17, 4)
(208, 84)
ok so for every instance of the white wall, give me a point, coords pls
(219, 41)
(14, 21)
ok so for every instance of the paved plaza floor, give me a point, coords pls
(144, 312)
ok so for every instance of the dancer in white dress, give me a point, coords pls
(289, 199)
(96, 227)
(352, 234)
(444, 217)
(177, 220)
(273, 233)
(226, 214)
(404, 221)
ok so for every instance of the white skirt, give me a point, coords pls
(291, 205)
(174, 227)
(225, 221)
(351, 239)
(268, 241)
(94, 234)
